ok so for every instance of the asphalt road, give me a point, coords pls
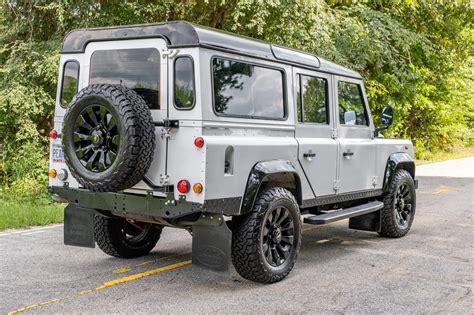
(338, 270)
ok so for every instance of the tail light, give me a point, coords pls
(197, 188)
(183, 186)
(53, 134)
(62, 174)
(52, 173)
(199, 142)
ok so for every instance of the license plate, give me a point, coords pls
(57, 154)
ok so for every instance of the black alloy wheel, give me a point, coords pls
(403, 205)
(96, 138)
(277, 236)
(266, 241)
(135, 232)
(124, 238)
(399, 205)
(108, 138)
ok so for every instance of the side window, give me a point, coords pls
(184, 83)
(138, 69)
(247, 90)
(69, 82)
(351, 104)
(312, 100)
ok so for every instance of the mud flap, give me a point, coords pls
(79, 226)
(212, 246)
(367, 222)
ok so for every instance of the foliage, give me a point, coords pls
(414, 55)
(23, 212)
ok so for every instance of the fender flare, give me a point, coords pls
(264, 170)
(396, 161)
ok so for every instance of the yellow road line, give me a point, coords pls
(127, 269)
(143, 274)
(128, 278)
(107, 285)
(441, 189)
(26, 308)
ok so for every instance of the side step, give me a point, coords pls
(344, 213)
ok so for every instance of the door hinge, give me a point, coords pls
(165, 133)
(334, 133)
(336, 185)
(375, 180)
(164, 179)
(169, 53)
(168, 124)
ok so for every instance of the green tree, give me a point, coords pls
(414, 55)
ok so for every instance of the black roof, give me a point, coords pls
(183, 34)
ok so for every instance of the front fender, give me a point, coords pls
(396, 161)
(261, 172)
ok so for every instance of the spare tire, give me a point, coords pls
(108, 137)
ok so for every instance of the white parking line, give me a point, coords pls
(34, 232)
(31, 231)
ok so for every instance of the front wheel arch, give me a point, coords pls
(397, 161)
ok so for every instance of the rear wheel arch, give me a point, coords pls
(273, 173)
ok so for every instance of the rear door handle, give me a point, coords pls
(309, 155)
(348, 154)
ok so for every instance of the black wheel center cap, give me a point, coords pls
(96, 139)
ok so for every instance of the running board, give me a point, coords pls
(344, 213)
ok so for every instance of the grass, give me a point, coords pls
(456, 152)
(27, 212)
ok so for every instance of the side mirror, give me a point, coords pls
(387, 116)
(387, 119)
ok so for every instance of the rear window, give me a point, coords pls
(137, 69)
(183, 83)
(69, 82)
(247, 90)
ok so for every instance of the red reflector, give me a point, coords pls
(199, 142)
(53, 134)
(183, 186)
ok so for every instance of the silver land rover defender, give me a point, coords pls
(236, 140)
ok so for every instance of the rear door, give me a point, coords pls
(317, 149)
(357, 149)
(141, 65)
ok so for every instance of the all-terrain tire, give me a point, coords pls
(391, 226)
(111, 237)
(136, 133)
(248, 254)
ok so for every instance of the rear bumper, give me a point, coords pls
(124, 205)
(211, 236)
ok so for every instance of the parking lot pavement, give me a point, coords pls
(338, 270)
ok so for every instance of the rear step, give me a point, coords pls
(344, 213)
